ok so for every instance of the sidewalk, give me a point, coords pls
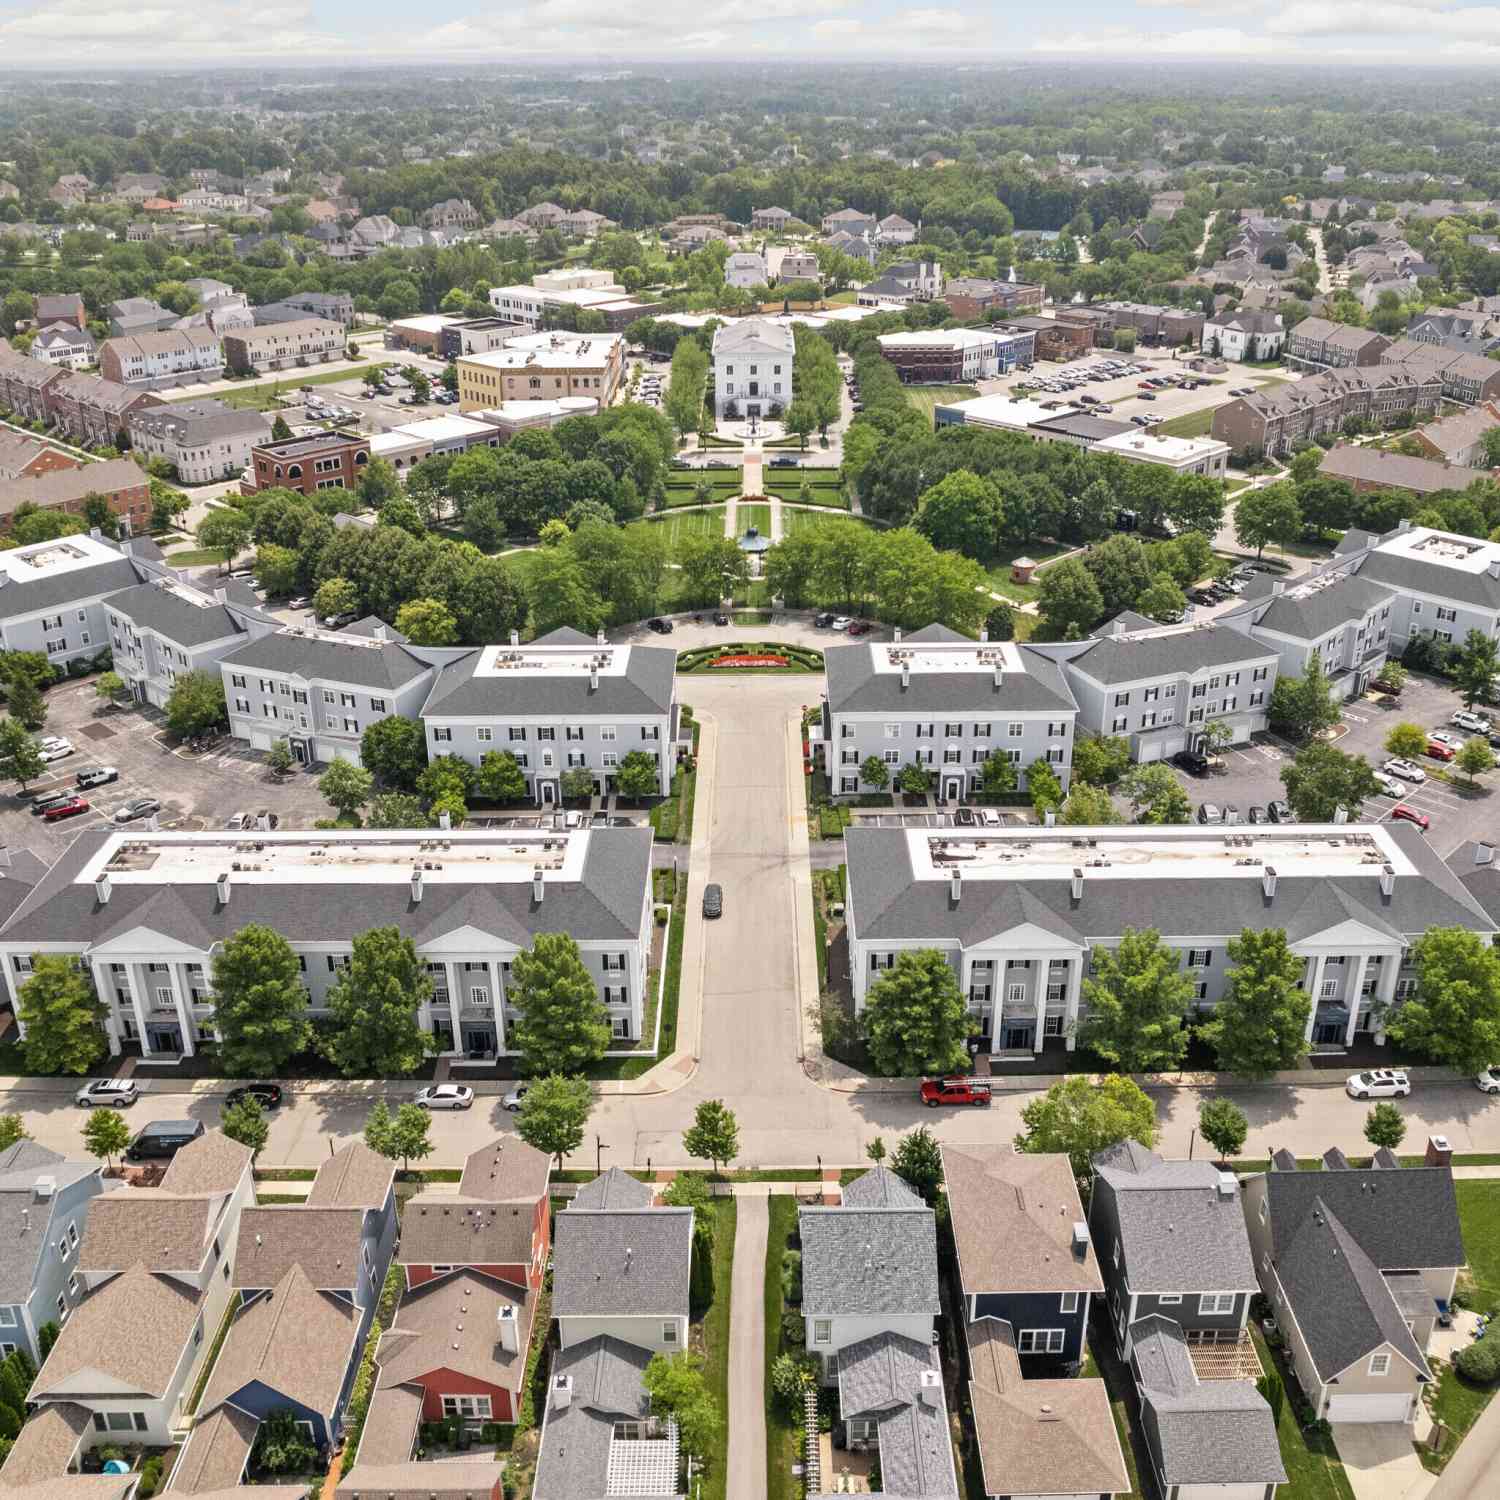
(746, 1478)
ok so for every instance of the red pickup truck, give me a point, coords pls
(936, 1091)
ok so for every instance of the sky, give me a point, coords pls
(63, 33)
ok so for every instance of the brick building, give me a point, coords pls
(1318, 344)
(972, 297)
(23, 457)
(94, 410)
(1056, 339)
(332, 461)
(121, 481)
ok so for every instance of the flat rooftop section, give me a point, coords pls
(304, 447)
(1001, 411)
(339, 637)
(939, 656)
(1160, 448)
(1465, 554)
(553, 661)
(444, 858)
(949, 338)
(584, 351)
(48, 559)
(445, 429)
(1319, 851)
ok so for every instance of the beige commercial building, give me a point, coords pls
(543, 367)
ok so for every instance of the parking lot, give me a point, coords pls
(196, 790)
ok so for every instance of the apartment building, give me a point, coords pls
(561, 703)
(1467, 377)
(329, 307)
(553, 295)
(145, 911)
(161, 361)
(972, 297)
(330, 461)
(1243, 335)
(936, 700)
(121, 482)
(282, 346)
(52, 593)
(957, 356)
(320, 689)
(1156, 324)
(1318, 344)
(202, 440)
(752, 367)
(92, 410)
(543, 367)
(1367, 468)
(1018, 913)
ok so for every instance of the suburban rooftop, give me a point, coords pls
(61, 555)
(1463, 553)
(944, 656)
(553, 661)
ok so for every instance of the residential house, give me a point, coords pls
(24, 457)
(869, 1269)
(798, 265)
(71, 188)
(120, 482)
(774, 218)
(894, 230)
(1018, 916)
(745, 268)
(850, 221)
(945, 704)
(1381, 469)
(452, 213)
(1467, 376)
(63, 344)
(903, 283)
(330, 461)
(505, 229)
(202, 440)
(59, 307)
(585, 224)
(1459, 439)
(542, 215)
(91, 409)
(1357, 1264)
(1167, 205)
(161, 361)
(329, 307)
(855, 246)
(1243, 335)
(138, 315)
(283, 345)
(1317, 344)
(752, 368)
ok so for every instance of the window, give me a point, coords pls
(893, 757)
(516, 732)
(484, 735)
(1215, 1304)
(822, 1330)
(606, 731)
(1040, 1341)
(1117, 724)
(1170, 1299)
(1056, 756)
(1257, 698)
(953, 731)
(377, 704)
(237, 679)
(6, 1350)
(1121, 699)
(1380, 1364)
(669, 1332)
(893, 731)
(1068, 1302)
(1198, 958)
(1446, 614)
(62, 1306)
(7, 1317)
(981, 731)
(442, 736)
(1148, 721)
(546, 734)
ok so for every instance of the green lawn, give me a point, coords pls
(1458, 1404)
(926, 397)
(265, 395)
(998, 571)
(1479, 1214)
(758, 516)
(1313, 1469)
(1190, 424)
(194, 557)
(806, 520)
(682, 489)
(708, 522)
(715, 1332)
(783, 1429)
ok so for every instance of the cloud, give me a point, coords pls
(833, 31)
(948, 22)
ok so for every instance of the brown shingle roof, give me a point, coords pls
(136, 1226)
(211, 1164)
(506, 1170)
(1046, 1436)
(391, 1422)
(60, 486)
(323, 1242)
(445, 1231)
(46, 1443)
(1013, 1216)
(1423, 476)
(216, 1452)
(456, 1481)
(453, 1324)
(76, 1487)
(353, 1177)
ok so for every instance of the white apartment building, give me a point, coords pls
(159, 361)
(752, 367)
(202, 440)
(1018, 912)
(146, 911)
(52, 593)
(1195, 455)
(580, 287)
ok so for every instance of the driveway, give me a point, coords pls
(1381, 1462)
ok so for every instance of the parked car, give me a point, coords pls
(1401, 813)
(116, 1093)
(1488, 1082)
(517, 1096)
(1389, 785)
(69, 807)
(1476, 723)
(53, 748)
(267, 1095)
(92, 776)
(44, 800)
(861, 627)
(1437, 750)
(1256, 815)
(964, 817)
(1380, 1083)
(1209, 812)
(841, 622)
(1279, 812)
(445, 1096)
(1406, 770)
(713, 901)
(1193, 760)
(138, 807)
(936, 1091)
(659, 625)
(163, 1139)
(1147, 395)
(1446, 737)
(824, 620)
(720, 618)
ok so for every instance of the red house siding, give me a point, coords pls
(418, 1275)
(445, 1382)
(528, 1275)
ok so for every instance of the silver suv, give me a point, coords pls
(116, 1092)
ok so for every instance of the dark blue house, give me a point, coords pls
(1024, 1252)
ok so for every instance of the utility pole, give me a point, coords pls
(599, 1149)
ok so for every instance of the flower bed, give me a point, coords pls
(751, 656)
(749, 661)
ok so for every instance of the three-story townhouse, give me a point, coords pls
(944, 703)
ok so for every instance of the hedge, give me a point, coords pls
(798, 657)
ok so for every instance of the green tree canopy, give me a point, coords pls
(196, 705)
(1322, 779)
(373, 1009)
(1454, 1018)
(553, 1114)
(61, 1015)
(245, 1121)
(346, 787)
(914, 1018)
(1259, 1026)
(714, 1135)
(1081, 1116)
(1222, 1123)
(1138, 998)
(395, 749)
(562, 1025)
(260, 1003)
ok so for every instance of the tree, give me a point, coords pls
(1260, 1025)
(335, 596)
(373, 1008)
(396, 810)
(679, 1391)
(276, 569)
(106, 1134)
(1138, 998)
(1321, 779)
(1222, 1123)
(20, 757)
(714, 1135)
(282, 1444)
(1000, 623)
(914, 780)
(962, 512)
(1217, 737)
(553, 1114)
(1100, 759)
(501, 778)
(378, 485)
(1454, 1018)
(998, 775)
(1474, 758)
(1087, 806)
(196, 705)
(12, 1129)
(915, 1019)
(226, 531)
(1081, 1116)
(62, 1017)
(577, 783)
(1044, 787)
(280, 432)
(874, 772)
(918, 1162)
(346, 787)
(395, 749)
(107, 684)
(1155, 794)
(1385, 1125)
(1474, 666)
(427, 622)
(713, 568)
(1162, 599)
(259, 1003)
(1305, 706)
(1069, 600)
(637, 776)
(405, 1138)
(245, 1121)
(27, 704)
(279, 758)
(1266, 515)
(1407, 740)
(562, 1026)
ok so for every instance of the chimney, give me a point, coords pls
(1404, 524)
(1049, 818)
(905, 676)
(1278, 586)
(538, 884)
(1268, 881)
(44, 1188)
(1228, 1185)
(1484, 854)
(380, 633)
(896, 638)
(562, 1392)
(1495, 567)
(101, 889)
(515, 637)
(1077, 883)
(930, 1388)
(505, 1319)
(222, 595)
(984, 635)
(1341, 815)
(1080, 1239)
(599, 638)
(445, 820)
(593, 678)
(416, 885)
(1439, 1151)
(955, 885)
(1387, 880)
(223, 889)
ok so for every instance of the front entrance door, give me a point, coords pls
(953, 788)
(164, 1038)
(1328, 1033)
(478, 1040)
(1018, 1038)
(299, 751)
(549, 793)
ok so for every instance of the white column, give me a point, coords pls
(1075, 992)
(1385, 991)
(1041, 967)
(135, 1005)
(1316, 987)
(184, 1011)
(497, 996)
(451, 969)
(1361, 964)
(103, 987)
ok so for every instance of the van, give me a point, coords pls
(161, 1140)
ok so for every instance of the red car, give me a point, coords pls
(1439, 751)
(68, 809)
(861, 627)
(936, 1091)
(1402, 813)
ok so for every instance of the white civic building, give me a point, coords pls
(752, 363)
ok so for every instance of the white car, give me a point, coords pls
(445, 1096)
(53, 748)
(116, 1092)
(1389, 785)
(513, 1100)
(841, 622)
(1382, 1083)
(1477, 723)
(1488, 1082)
(1406, 770)
(1443, 737)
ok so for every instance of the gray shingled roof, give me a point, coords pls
(881, 1377)
(181, 621)
(880, 1188)
(1309, 616)
(389, 666)
(1200, 1432)
(1166, 651)
(1431, 578)
(1179, 1233)
(645, 688)
(854, 686)
(1482, 881)
(621, 1264)
(194, 423)
(574, 1459)
(868, 1262)
(26, 596)
(23, 1221)
(613, 1189)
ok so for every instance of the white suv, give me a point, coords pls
(1381, 1083)
(117, 1092)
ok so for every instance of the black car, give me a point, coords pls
(720, 618)
(267, 1095)
(1257, 815)
(659, 625)
(713, 901)
(1192, 760)
(783, 462)
(824, 620)
(1278, 812)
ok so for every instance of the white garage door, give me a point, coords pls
(260, 741)
(1148, 750)
(1368, 1408)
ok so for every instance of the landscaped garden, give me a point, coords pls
(708, 522)
(750, 656)
(684, 487)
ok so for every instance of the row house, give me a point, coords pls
(1459, 439)
(1018, 913)
(160, 361)
(329, 307)
(1319, 344)
(24, 457)
(59, 307)
(93, 410)
(64, 345)
(120, 482)
(282, 346)
(203, 440)
(1365, 467)
(563, 702)
(938, 701)
(1467, 377)
(146, 912)
(24, 384)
